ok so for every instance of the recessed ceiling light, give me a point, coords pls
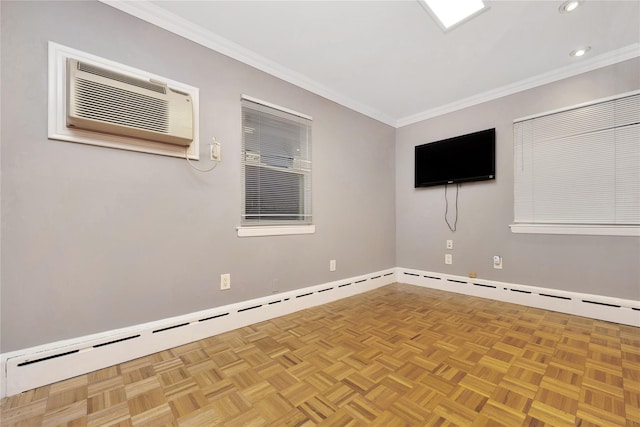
(580, 51)
(569, 6)
(450, 13)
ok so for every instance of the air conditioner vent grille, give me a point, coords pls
(88, 68)
(114, 105)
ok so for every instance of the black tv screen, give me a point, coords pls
(465, 158)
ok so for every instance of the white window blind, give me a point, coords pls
(276, 165)
(580, 165)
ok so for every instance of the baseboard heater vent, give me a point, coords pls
(170, 327)
(116, 341)
(587, 305)
(600, 303)
(485, 286)
(304, 295)
(213, 317)
(249, 308)
(43, 359)
(555, 296)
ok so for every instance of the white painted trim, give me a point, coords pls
(274, 106)
(171, 22)
(57, 105)
(574, 107)
(97, 351)
(592, 230)
(618, 310)
(65, 359)
(610, 58)
(275, 230)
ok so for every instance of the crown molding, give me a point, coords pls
(171, 22)
(609, 58)
(164, 19)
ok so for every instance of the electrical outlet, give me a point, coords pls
(332, 265)
(225, 281)
(497, 262)
(449, 244)
(448, 259)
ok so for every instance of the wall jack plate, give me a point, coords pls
(225, 281)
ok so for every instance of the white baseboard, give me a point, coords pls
(38, 366)
(617, 310)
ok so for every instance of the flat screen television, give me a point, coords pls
(464, 158)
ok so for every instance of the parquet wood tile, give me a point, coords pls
(396, 356)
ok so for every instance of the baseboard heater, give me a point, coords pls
(611, 309)
(39, 366)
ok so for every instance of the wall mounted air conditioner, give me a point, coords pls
(102, 100)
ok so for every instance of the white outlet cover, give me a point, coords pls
(448, 259)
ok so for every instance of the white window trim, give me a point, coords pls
(57, 106)
(591, 230)
(275, 230)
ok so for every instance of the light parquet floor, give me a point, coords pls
(396, 356)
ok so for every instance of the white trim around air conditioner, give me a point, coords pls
(58, 130)
(617, 310)
(45, 364)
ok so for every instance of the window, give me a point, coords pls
(578, 170)
(276, 169)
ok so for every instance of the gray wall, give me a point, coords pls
(95, 239)
(592, 264)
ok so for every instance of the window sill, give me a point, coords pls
(592, 230)
(275, 230)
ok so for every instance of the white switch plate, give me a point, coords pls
(225, 281)
(215, 151)
(332, 265)
(448, 259)
(449, 244)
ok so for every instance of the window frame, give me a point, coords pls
(277, 227)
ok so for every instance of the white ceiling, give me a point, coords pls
(391, 61)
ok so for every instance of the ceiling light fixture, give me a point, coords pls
(580, 51)
(569, 6)
(449, 13)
